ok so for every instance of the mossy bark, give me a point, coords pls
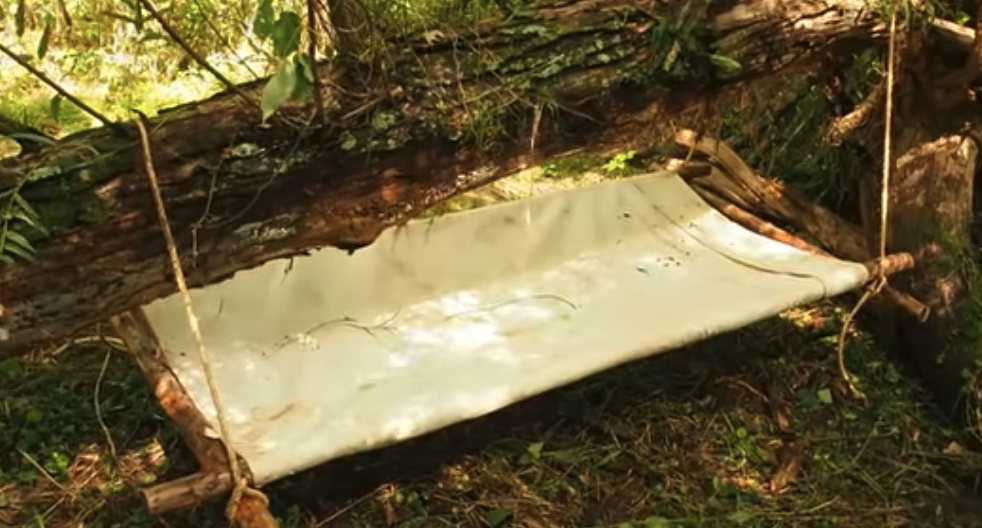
(454, 110)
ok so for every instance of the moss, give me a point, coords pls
(571, 166)
(71, 209)
(485, 124)
(92, 210)
(57, 215)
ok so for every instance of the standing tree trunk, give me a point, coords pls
(932, 214)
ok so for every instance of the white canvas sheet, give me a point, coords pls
(448, 320)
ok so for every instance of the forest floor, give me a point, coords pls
(750, 429)
(691, 438)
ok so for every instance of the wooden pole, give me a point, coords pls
(890, 265)
(213, 480)
(761, 227)
(186, 492)
(740, 186)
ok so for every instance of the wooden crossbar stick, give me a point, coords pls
(213, 479)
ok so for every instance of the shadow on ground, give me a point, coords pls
(751, 429)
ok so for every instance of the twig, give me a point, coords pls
(54, 86)
(241, 484)
(225, 41)
(312, 26)
(98, 408)
(113, 342)
(44, 472)
(757, 225)
(194, 54)
(352, 505)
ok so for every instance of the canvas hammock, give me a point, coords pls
(449, 319)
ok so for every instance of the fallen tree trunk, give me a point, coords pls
(591, 73)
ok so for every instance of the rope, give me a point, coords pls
(880, 281)
(241, 484)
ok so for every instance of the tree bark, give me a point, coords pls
(457, 111)
(932, 213)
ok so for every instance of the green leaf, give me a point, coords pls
(286, 34)
(24, 208)
(119, 16)
(305, 77)
(657, 522)
(825, 396)
(262, 23)
(138, 23)
(20, 17)
(27, 476)
(11, 368)
(45, 37)
(32, 137)
(569, 456)
(54, 107)
(34, 415)
(27, 214)
(150, 36)
(740, 517)
(307, 67)
(21, 253)
(279, 88)
(727, 66)
(18, 240)
(535, 450)
(497, 517)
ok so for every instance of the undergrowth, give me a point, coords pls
(751, 429)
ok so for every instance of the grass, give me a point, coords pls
(751, 429)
